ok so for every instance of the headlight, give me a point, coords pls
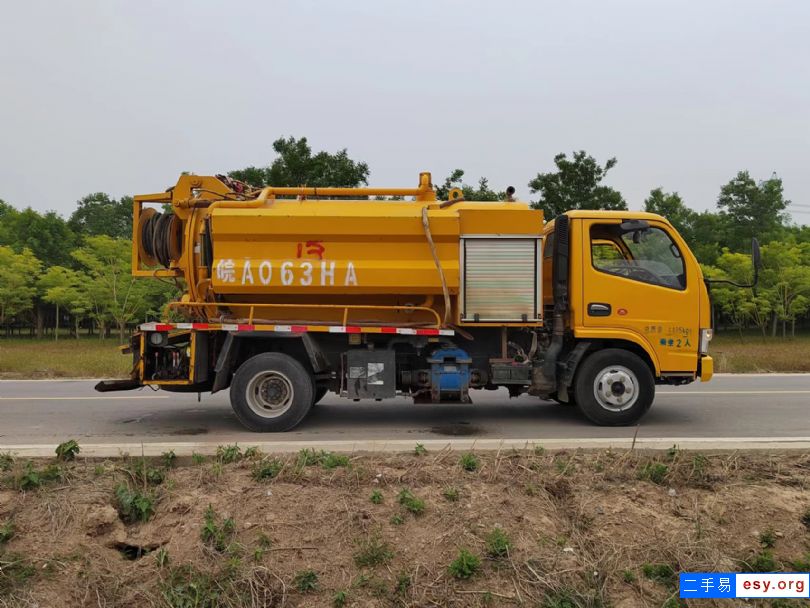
(705, 338)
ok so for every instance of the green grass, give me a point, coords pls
(67, 358)
(753, 353)
(372, 551)
(465, 565)
(413, 504)
(134, 505)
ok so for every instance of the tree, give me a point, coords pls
(99, 214)
(671, 206)
(295, 165)
(471, 193)
(577, 184)
(115, 294)
(18, 272)
(47, 235)
(65, 288)
(739, 304)
(787, 276)
(754, 210)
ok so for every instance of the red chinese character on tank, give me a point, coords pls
(311, 248)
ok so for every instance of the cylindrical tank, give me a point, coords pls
(330, 261)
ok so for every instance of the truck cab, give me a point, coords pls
(633, 286)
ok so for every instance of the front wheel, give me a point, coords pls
(271, 392)
(614, 387)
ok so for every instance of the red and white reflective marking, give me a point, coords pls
(298, 329)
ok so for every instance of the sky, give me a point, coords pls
(121, 97)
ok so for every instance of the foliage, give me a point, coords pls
(767, 538)
(227, 454)
(481, 192)
(576, 184)
(6, 461)
(372, 551)
(67, 450)
(134, 505)
(186, 587)
(99, 214)
(451, 494)
(295, 165)
(267, 469)
(754, 209)
(17, 287)
(655, 472)
(420, 450)
(498, 543)
(310, 457)
(6, 532)
(31, 478)
(762, 561)
(376, 497)
(168, 458)
(306, 581)
(660, 573)
(217, 534)
(465, 565)
(469, 462)
(413, 504)
(143, 474)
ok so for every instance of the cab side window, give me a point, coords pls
(648, 255)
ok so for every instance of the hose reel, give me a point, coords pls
(160, 238)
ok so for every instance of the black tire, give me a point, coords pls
(271, 393)
(320, 393)
(603, 382)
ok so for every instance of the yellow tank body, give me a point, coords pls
(306, 259)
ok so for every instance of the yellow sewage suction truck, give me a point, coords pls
(293, 292)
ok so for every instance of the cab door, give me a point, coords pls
(637, 283)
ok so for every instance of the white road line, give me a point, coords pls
(763, 392)
(112, 450)
(82, 398)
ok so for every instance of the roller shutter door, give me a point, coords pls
(500, 279)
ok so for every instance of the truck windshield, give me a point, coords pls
(649, 256)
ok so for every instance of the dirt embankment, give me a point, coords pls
(528, 528)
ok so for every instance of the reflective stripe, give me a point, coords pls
(298, 329)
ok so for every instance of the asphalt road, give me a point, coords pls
(730, 407)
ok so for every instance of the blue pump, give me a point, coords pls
(450, 375)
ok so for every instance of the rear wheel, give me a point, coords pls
(271, 392)
(614, 387)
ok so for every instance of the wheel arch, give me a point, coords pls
(304, 348)
(578, 355)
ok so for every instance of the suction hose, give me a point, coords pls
(161, 238)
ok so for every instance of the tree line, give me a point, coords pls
(75, 272)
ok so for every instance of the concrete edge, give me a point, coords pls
(102, 450)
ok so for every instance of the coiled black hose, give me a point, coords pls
(161, 236)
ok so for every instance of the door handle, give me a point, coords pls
(599, 309)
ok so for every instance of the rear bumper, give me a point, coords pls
(705, 368)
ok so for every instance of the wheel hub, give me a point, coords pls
(270, 394)
(616, 388)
